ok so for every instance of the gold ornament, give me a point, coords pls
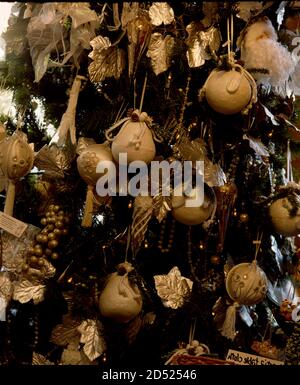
(244, 217)
(230, 92)
(142, 213)
(92, 337)
(161, 13)
(160, 51)
(135, 138)
(120, 299)
(173, 289)
(16, 160)
(108, 60)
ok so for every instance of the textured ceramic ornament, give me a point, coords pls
(120, 300)
(16, 160)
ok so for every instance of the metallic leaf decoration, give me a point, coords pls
(192, 150)
(6, 285)
(14, 250)
(172, 288)
(65, 333)
(246, 9)
(39, 359)
(160, 50)
(91, 337)
(202, 44)
(47, 270)
(278, 292)
(108, 60)
(54, 161)
(257, 146)
(213, 174)
(161, 13)
(142, 213)
(24, 291)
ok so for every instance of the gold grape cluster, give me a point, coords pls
(47, 240)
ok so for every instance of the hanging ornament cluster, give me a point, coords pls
(90, 155)
(16, 160)
(121, 299)
(246, 284)
(284, 210)
(269, 62)
(44, 248)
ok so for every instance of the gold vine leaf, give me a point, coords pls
(24, 291)
(160, 51)
(65, 333)
(92, 338)
(108, 60)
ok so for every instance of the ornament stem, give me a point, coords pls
(143, 93)
(10, 198)
(87, 219)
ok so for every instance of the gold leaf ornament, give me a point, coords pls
(67, 332)
(108, 60)
(39, 359)
(202, 44)
(91, 337)
(160, 51)
(161, 13)
(24, 291)
(172, 288)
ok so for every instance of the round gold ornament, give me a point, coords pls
(16, 160)
(230, 92)
(246, 284)
(134, 139)
(194, 215)
(285, 217)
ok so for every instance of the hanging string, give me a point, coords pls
(128, 243)
(289, 169)
(143, 93)
(192, 330)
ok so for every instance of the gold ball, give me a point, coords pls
(244, 217)
(57, 232)
(50, 227)
(44, 221)
(51, 236)
(215, 259)
(56, 208)
(54, 255)
(41, 262)
(52, 219)
(41, 238)
(38, 251)
(48, 214)
(60, 218)
(44, 231)
(48, 252)
(25, 267)
(51, 208)
(33, 259)
(59, 224)
(60, 212)
(52, 244)
(31, 250)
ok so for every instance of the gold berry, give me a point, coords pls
(52, 244)
(51, 236)
(54, 255)
(59, 224)
(33, 259)
(41, 262)
(44, 221)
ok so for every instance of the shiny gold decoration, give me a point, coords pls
(244, 217)
(160, 51)
(142, 213)
(172, 288)
(39, 359)
(202, 44)
(65, 332)
(54, 160)
(16, 160)
(24, 291)
(6, 290)
(92, 338)
(108, 60)
(138, 33)
(161, 13)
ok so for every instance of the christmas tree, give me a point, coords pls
(108, 256)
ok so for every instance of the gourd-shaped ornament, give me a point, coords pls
(134, 138)
(16, 160)
(90, 154)
(230, 92)
(246, 284)
(193, 215)
(120, 299)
